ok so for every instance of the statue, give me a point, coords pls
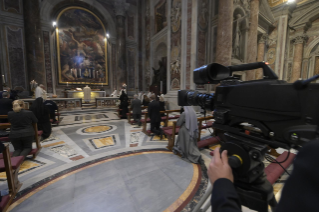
(237, 37)
(159, 74)
(87, 94)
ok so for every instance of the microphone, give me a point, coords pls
(301, 84)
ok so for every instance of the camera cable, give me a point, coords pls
(272, 160)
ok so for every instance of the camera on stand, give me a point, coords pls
(252, 115)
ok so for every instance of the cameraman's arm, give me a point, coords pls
(224, 196)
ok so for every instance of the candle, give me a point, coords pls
(3, 79)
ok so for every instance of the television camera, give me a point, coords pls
(252, 115)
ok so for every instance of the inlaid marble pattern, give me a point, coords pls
(64, 150)
(96, 129)
(90, 117)
(103, 142)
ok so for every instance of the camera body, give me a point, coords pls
(281, 114)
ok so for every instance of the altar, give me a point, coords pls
(80, 94)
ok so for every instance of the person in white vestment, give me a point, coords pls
(87, 94)
(39, 91)
(114, 94)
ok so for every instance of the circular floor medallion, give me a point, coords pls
(96, 129)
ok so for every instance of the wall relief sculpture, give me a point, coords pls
(81, 45)
(271, 55)
(176, 15)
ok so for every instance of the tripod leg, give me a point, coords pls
(273, 203)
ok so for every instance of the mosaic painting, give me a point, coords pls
(81, 44)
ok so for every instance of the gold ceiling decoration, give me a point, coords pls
(274, 3)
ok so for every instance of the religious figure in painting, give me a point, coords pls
(81, 47)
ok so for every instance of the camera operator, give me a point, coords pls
(300, 193)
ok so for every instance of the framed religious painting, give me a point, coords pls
(81, 47)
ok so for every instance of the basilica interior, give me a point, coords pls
(94, 159)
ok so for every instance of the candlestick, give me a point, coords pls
(3, 79)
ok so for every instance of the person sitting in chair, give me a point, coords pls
(22, 132)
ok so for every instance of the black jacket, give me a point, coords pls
(300, 193)
(136, 106)
(5, 106)
(154, 111)
(21, 123)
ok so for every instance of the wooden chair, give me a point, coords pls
(147, 120)
(11, 166)
(202, 127)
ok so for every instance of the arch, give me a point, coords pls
(309, 48)
(159, 52)
(49, 11)
(307, 17)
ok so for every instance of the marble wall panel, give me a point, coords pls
(140, 37)
(47, 58)
(202, 35)
(131, 53)
(12, 6)
(15, 50)
(147, 75)
(189, 41)
(176, 23)
(316, 69)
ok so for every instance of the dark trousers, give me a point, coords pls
(46, 128)
(155, 128)
(22, 146)
(52, 116)
(137, 119)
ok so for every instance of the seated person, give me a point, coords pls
(5, 105)
(42, 113)
(52, 107)
(22, 132)
(136, 110)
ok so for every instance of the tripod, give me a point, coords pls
(246, 159)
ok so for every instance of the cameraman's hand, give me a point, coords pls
(219, 167)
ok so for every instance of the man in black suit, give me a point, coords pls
(136, 109)
(5, 105)
(300, 193)
(154, 115)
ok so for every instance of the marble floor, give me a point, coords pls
(94, 161)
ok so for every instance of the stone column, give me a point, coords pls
(33, 41)
(121, 7)
(252, 37)
(298, 54)
(224, 32)
(261, 54)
